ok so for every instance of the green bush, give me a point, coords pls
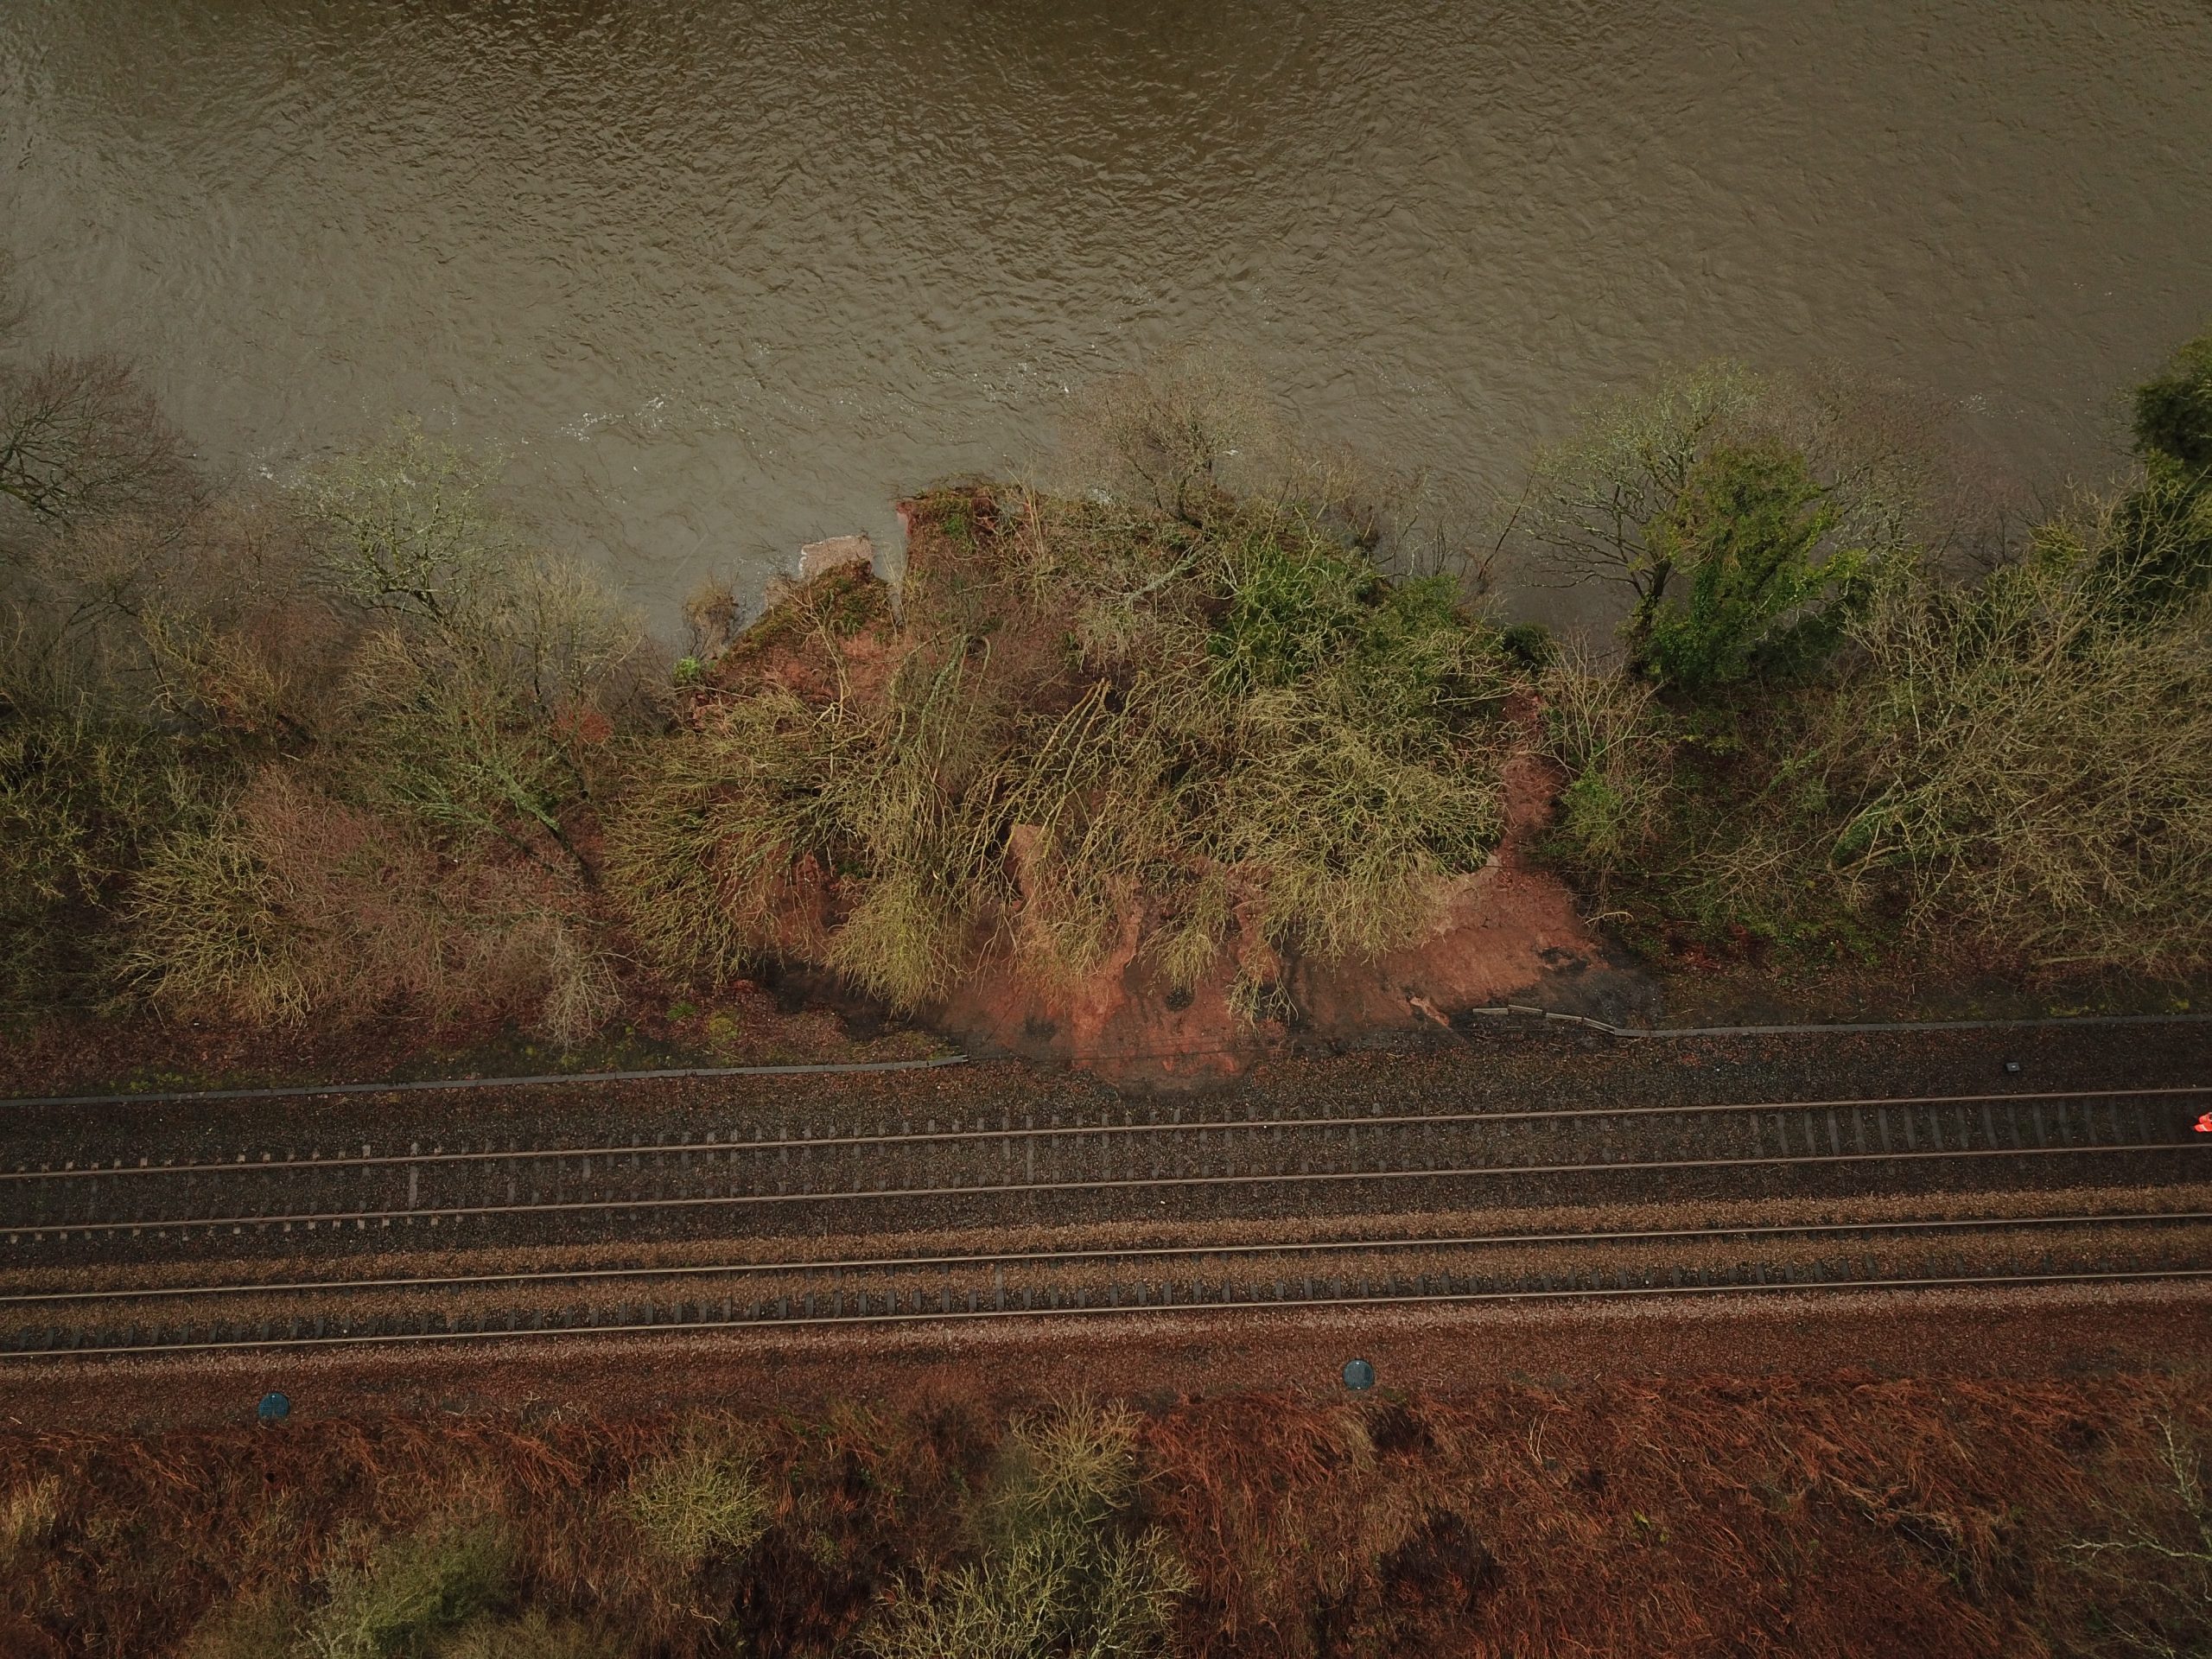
(435, 736)
(2173, 410)
(407, 527)
(356, 746)
(407, 1590)
(1614, 744)
(703, 1497)
(1754, 585)
(1063, 1566)
(1528, 645)
(2154, 544)
(1742, 517)
(210, 934)
(107, 743)
(1296, 600)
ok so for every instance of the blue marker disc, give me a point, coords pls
(273, 1408)
(1359, 1375)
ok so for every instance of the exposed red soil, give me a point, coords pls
(1510, 932)
(831, 634)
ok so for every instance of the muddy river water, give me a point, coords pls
(724, 275)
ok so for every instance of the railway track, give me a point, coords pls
(1461, 1268)
(1127, 1162)
(168, 1249)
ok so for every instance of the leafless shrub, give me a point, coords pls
(81, 441)
(702, 1497)
(485, 698)
(290, 902)
(2163, 1571)
(1174, 438)
(1061, 1572)
(407, 526)
(401, 1591)
(2037, 768)
(712, 617)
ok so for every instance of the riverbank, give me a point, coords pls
(1155, 775)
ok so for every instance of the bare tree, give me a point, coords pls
(81, 440)
(12, 309)
(1177, 437)
(1596, 505)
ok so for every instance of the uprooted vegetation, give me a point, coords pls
(1833, 1516)
(1824, 733)
(1226, 728)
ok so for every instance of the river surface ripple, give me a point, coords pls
(721, 278)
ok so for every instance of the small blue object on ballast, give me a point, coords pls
(273, 1408)
(1359, 1375)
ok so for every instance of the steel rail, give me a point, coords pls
(1386, 1299)
(567, 1206)
(1903, 1226)
(241, 1165)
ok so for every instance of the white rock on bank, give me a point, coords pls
(817, 557)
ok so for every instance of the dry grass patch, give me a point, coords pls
(1835, 1515)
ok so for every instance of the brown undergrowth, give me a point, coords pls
(1848, 1515)
(1843, 1514)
